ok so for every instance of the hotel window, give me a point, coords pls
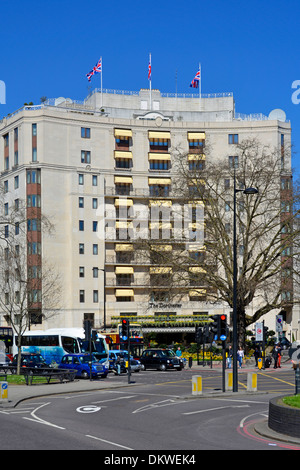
(95, 249)
(81, 296)
(123, 139)
(196, 141)
(16, 182)
(6, 231)
(81, 271)
(81, 248)
(233, 161)
(85, 156)
(16, 157)
(233, 138)
(5, 186)
(34, 200)
(81, 225)
(95, 180)
(85, 132)
(33, 225)
(95, 272)
(80, 178)
(6, 208)
(95, 296)
(159, 141)
(95, 203)
(81, 202)
(159, 165)
(33, 176)
(123, 163)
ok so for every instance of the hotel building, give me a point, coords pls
(79, 163)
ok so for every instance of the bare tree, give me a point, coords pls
(29, 288)
(266, 232)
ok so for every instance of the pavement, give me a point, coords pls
(19, 393)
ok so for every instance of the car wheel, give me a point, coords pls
(162, 367)
(84, 374)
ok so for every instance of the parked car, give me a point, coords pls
(284, 343)
(135, 365)
(28, 360)
(81, 363)
(161, 359)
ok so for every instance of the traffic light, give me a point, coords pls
(87, 329)
(265, 334)
(215, 326)
(198, 334)
(223, 327)
(125, 330)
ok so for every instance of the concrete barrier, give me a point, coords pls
(252, 382)
(196, 385)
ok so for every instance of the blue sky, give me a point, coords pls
(250, 48)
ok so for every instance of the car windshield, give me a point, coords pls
(86, 359)
(168, 353)
(33, 358)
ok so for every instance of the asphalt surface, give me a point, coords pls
(19, 393)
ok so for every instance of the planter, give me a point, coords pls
(284, 419)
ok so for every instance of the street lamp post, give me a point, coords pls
(104, 297)
(234, 316)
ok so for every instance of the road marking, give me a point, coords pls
(249, 416)
(158, 404)
(214, 409)
(41, 421)
(88, 409)
(108, 442)
(114, 399)
(275, 378)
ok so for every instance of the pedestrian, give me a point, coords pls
(178, 352)
(118, 364)
(279, 356)
(229, 357)
(257, 355)
(240, 356)
(275, 355)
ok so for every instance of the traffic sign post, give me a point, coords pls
(4, 392)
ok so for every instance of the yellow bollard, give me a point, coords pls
(196, 385)
(252, 382)
(259, 362)
(228, 381)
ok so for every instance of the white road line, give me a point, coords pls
(109, 442)
(249, 416)
(114, 399)
(214, 409)
(41, 421)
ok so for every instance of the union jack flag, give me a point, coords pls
(195, 81)
(96, 69)
(149, 69)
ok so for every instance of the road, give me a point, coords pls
(153, 414)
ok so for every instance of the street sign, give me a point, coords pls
(279, 321)
(259, 331)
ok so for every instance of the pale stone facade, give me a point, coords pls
(91, 154)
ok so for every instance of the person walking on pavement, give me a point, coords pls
(229, 357)
(257, 355)
(240, 356)
(275, 354)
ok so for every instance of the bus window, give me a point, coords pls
(70, 344)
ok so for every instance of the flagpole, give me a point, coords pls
(200, 78)
(101, 84)
(150, 81)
